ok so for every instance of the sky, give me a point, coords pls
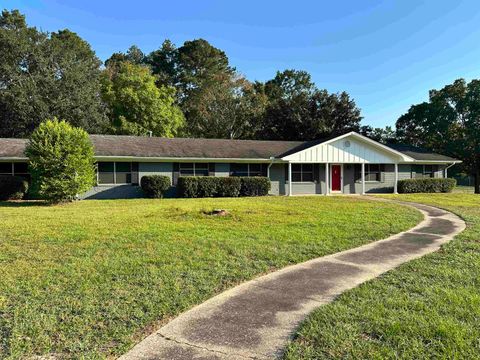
(386, 54)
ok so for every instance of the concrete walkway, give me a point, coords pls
(256, 319)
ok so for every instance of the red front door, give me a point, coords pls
(336, 177)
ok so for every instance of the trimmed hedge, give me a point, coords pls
(155, 186)
(255, 186)
(430, 185)
(12, 187)
(211, 186)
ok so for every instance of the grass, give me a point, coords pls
(88, 279)
(426, 309)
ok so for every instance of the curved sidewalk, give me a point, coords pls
(256, 319)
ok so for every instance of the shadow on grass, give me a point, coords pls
(24, 203)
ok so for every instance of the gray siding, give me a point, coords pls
(277, 179)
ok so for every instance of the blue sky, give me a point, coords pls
(386, 54)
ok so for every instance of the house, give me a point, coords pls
(346, 164)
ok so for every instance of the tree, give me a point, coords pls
(383, 135)
(448, 123)
(137, 106)
(61, 161)
(45, 75)
(164, 63)
(297, 110)
(133, 55)
(229, 110)
(216, 100)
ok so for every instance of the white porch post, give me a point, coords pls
(395, 189)
(327, 178)
(289, 178)
(363, 178)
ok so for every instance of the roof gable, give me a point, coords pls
(348, 148)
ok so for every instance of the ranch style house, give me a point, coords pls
(346, 164)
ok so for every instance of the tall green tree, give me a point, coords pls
(298, 110)
(136, 105)
(45, 75)
(448, 123)
(216, 100)
(61, 161)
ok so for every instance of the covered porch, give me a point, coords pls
(341, 178)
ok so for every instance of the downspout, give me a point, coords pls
(272, 159)
(448, 167)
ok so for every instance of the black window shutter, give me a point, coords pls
(286, 172)
(176, 173)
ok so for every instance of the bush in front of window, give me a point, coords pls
(429, 185)
(228, 186)
(254, 186)
(210, 186)
(61, 161)
(155, 186)
(12, 187)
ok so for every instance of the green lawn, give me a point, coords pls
(426, 309)
(89, 279)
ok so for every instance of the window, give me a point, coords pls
(302, 172)
(428, 171)
(247, 169)
(423, 171)
(6, 168)
(193, 169)
(21, 169)
(123, 173)
(373, 172)
(115, 172)
(106, 173)
(17, 169)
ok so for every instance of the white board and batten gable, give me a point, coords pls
(348, 148)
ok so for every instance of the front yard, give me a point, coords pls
(426, 309)
(89, 279)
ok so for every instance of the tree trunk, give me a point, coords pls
(477, 180)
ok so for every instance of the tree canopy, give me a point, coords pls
(45, 75)
(190, 90)
(298, 110)
(448, 123)
(137, 105)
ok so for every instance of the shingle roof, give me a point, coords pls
(12, 148)
(419, 153)
(142, 146)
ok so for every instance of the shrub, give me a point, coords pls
(229, 187)
(255, 186)
(61, 161)
(210, 186)
(430, 185)
(155, 186)
(187, 186)
(12, 187)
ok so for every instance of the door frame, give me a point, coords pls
(331, 178)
